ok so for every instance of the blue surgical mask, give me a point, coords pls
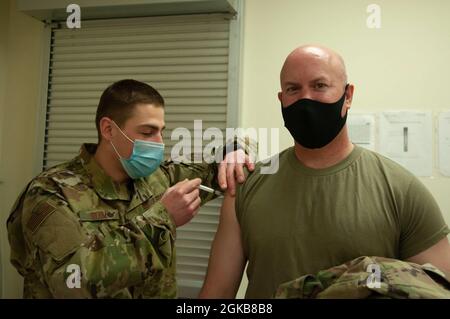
(144, 159)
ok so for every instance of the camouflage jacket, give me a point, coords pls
(370, 277)
(118, 237)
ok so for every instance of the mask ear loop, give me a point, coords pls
(122, 132)
(120, 157)
(115, 150)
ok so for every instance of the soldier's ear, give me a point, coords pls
(348, 99)
(106, 128)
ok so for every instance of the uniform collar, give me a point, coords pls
(136, 191)
(102, 183)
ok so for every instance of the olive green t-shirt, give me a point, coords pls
(301, 220)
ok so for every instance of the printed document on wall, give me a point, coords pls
(406, 137)
(361, 128)
(444, 143)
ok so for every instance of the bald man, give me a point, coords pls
(330, 201)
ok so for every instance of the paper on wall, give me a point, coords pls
(406, 137)
(444, 143)
(361, 128)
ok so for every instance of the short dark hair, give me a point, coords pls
(119, 99)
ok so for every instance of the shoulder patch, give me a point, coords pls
(41, 212)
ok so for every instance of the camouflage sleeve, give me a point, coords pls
(206, 170)
(107, 258)
(176, 172)
(248, 144)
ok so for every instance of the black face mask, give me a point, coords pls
(314, 124)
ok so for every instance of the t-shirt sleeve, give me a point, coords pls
(240, 195)
(422, 223)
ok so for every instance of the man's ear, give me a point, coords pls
(106, 128)
(348, 98)
(349, 95)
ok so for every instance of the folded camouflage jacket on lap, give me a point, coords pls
(370, 277)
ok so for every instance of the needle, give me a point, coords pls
(210, 190)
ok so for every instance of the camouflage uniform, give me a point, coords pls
(119, 235)
(398, 279)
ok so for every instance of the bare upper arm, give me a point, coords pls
(227, 261)
(438, 255)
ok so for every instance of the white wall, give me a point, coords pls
(403, 65)
(22, 37)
